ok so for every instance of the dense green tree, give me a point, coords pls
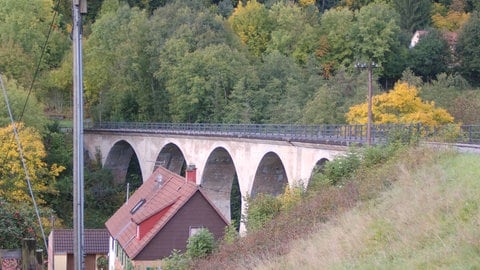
(245, 100)
(335, 45)
(374, 33)
(59, 147)
(283, 93)
(24, 27)
(396, 61)
(450, 92)
(414, 14)
(201, 83)
(472, 6)
(430, 56)
(24, 106)
(468, 50)
(333, 99)
(295, 32)
(116, 67)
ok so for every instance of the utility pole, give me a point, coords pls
(369, 66)
(370, 114)
(78, 7)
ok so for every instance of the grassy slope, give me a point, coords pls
(428, 219)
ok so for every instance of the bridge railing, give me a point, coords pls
(332, 134)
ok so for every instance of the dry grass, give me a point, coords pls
(419, 210)
(278, 239)
(430, 219)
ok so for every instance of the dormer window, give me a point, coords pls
(137, 206)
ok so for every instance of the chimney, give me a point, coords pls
(191, 173)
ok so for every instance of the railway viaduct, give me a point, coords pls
(260, 165)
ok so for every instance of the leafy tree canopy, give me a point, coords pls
(14, 226)
(13, 181)
(24, 26)
(24, 106)
(468, 50)
(400, 106)
(253, 25)
(431, 55)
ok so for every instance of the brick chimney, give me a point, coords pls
(191, 173)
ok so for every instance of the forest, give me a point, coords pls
(211, 61)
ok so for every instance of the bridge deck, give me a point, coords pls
(321, 134)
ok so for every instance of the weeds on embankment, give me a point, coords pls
(428, 219)
(323, 210)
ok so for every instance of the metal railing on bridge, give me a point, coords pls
(328, 134)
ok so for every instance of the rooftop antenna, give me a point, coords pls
(78, 7)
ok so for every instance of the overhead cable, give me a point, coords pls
(22, 158)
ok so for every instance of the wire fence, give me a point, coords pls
(328, 134)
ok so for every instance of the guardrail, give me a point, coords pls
(330, 134)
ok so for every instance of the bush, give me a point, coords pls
(176, 261)
(260, 210)
(200, 244)
(15, 224)
(291, 197)
(231, 233)
(334, 171)
(379, 154)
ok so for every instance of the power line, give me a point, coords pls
(37, 69)
(15, 136)
(22, 158)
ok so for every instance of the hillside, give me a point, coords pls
(427, 216)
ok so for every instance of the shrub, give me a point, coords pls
(260, 210)
(176, 261)
(200, 244)
(231, 233)
(291, 197)
(15, 224)
(379, 154)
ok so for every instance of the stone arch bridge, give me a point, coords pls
(263, 161)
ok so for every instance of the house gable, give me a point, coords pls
(196, 212)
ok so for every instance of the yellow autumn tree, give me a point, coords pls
(449, 19)
(13, 181)
(305, 3)
(253, 25)
(402, 105)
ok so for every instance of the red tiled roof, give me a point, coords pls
(150, 207)
(96, 241)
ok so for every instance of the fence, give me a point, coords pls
(330, 134)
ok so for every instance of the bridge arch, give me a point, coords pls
(172, 158)
(120, 158)
(320, 165)
(218, 178)
(270, 176)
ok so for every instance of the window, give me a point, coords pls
(137, 206)
(194, 230)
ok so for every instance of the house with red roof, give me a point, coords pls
(159, 217)
(60, 249)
